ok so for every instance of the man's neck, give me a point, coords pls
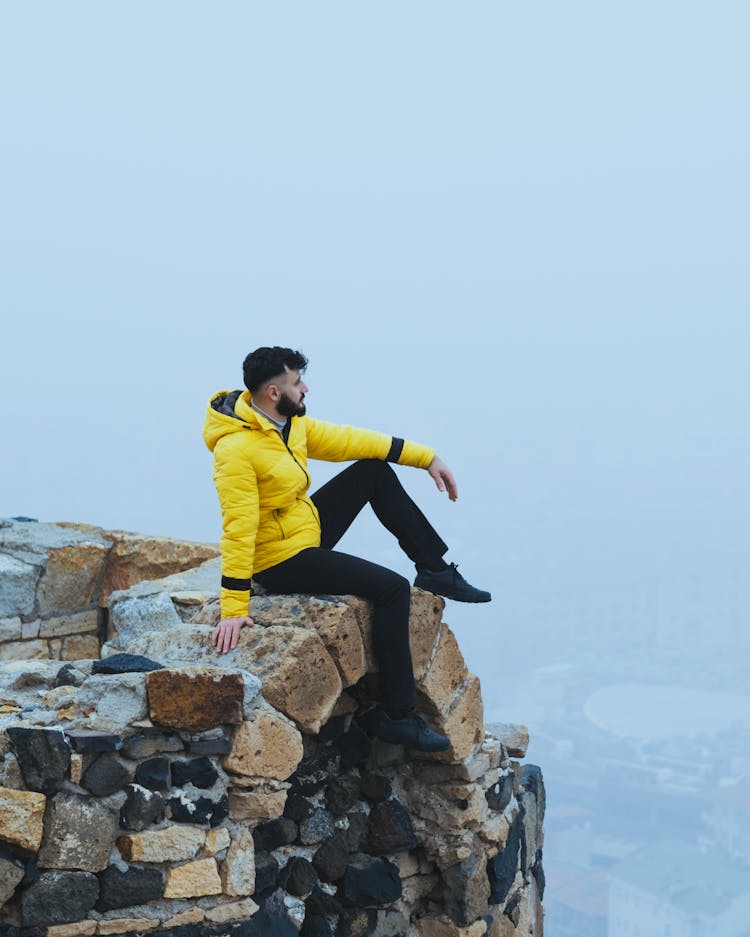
(278, 421)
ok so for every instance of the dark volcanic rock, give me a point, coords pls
(217, 746)
(89, 740)
(342, 794)
(274, 833)
(375, 786)
(141, 808)
(317, 827)
(353, 747)
(320, 902)
(266, 875)
(200, 772)
(466, 890)
(315, 925)
(270, 921)
(69, 675)
(499, 795)
(314, 771)
(331, 858)
(298, 877)
(537, 871)
(105, 775)
(389, 829)
(135, 886)
(298, 808)
(43, 757)
(59, 898)
(369, 883)
(154, 774)
(220, 811)
(501, 869)
(144, 745)
(126, 663)
(185, 810)
(356, 835)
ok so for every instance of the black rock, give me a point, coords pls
(266, 875)
(220, 811)
(389, 829)
(154, 774)
(125, 663)
(353, 747)
(298, 808)
(369, 883)
(315, 925)
(59, 898)
(69, 675)
(342, 794)
(142, 807)
(270, 921)
(144, 745)
(314, 772)
(298, 877)
(465, 888)
(512, 910)
(134, 886)
(88, 740)
(356, 835)
(220, 746)
(43, 757)
(499, 795)
(331, 859)
(105, 775)
(537, 871)
(332, 729)
(320, 902)
(200, 772)
(375, 786)
(316, 828)
(184, 810)
(501, 869)
(274, 833)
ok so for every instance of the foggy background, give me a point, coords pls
(515, 232)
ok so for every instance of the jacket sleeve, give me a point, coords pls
(237, 487)
(331, 442)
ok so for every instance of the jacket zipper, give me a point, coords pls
(307, 477)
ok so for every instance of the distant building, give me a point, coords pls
(575, 901)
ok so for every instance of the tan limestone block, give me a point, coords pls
(70, 577)
(55, 648)
(338, 628)
(171, 844)
(408, 864)
(445, 674)
(463, 724)
(76, 929)
(194, 698)
(126, 925)
(514, 737)
(80, 647)
(10, 876)
(191, 916)
(425, 616)
(193, 880)
(494, 833)
(135, 558)
(269, 746)
(24, 650)
(21, 818)
(76, 767)
(232, 911)
(238, 868)
(73, 623)
(256, 806)
(216, 839)
(444, 927)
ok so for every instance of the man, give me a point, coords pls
(273, 532)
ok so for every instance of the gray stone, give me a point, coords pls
(466, 889)
(59, 898)
(10, 628)
(118, 700)
(89, 740)
(389, 829)
(43, 756)
(316, 828)
(369, 883)
(11, 873)
(69, 675)
(146, 744)
(142, 807)
(126, 663)
(79, 833)
(105, 775)
(124, 889)
(132, 616)
(499, 795)
(17, 586)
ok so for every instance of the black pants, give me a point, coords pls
(325, 570)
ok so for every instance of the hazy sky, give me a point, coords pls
(518, 232)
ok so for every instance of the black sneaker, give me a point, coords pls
(410, 730)
(450, 583)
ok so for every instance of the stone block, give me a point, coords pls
(19, 581)
(216, 840)
(70, 576)
(76, 929)
(338, 628)
(125, 663)
(171, 844)
(11, 873)
(191, 916)
(232, 911)
(193, 880)
(11, 629)
(79, 833)
(144, 745)
(80, 647)
(444, 927)
(43, 756)
(141, 808)
(106, 774)
(133, 616)
(195, 698)
(113, 703)
(70, 623)
(127, 925)
(445, 673)
(30, 629)
(463, 723)
(369, 883)
(514, 737)
(256, 806)
(466, 890)
(128, 888)
(268, 747)
(24, 650)
(59, 898)
(238, 868)
(425, 616)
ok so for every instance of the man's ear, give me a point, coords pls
(273, 392)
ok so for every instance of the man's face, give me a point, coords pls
(292, 390)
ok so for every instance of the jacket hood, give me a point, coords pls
(229, 411)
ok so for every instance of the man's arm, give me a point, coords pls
(332, 442)
(443, 477)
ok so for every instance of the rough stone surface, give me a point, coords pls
(331, 858)
(200, 772)
(155, 774)
(71, 623)
(216, 840)
(193, 879)
(134, 616)
(105, 775)
(369, 883)
(275, 833)
(70, 576)
(501, 869)
(144, 745)
(316, 828)
(446, 672)
(256, 806)
(463, 724)
(89, 740)
(79, 647)
(466, 888)
(21, 818)
(112, 703)
(11, 873)
(126, 925)
(19, 585)
(195, 699)
(142, 807)
(171, 844)
(268, 747)
(10, 628)
(59, 897)
(514, 737)
(238, 868)
(77, 929)
(232, 911)
(79, 833)
(25, 650)
(389, 829)
(125, 663)
(124, 889)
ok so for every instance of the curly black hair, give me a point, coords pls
(264, 363)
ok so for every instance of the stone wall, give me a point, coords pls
(166, 790)
(56, 579)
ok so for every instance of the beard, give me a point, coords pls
(287, 407)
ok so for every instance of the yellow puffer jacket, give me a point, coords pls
(262, 484)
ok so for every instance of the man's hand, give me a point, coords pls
(443, 477)
(227, 633)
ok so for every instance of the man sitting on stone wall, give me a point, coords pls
(273, 531)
